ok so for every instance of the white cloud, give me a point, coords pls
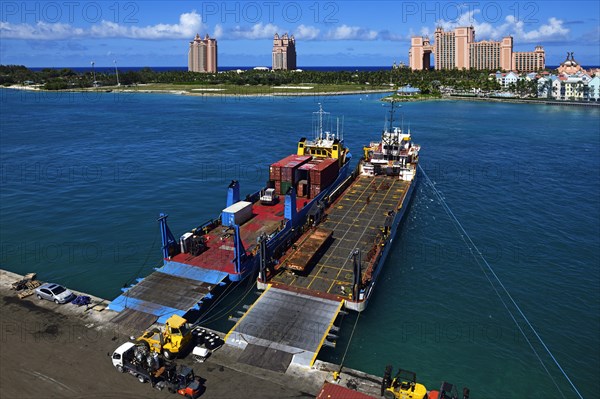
(553, 30)
(39, 31)
(305, 32)
(218, 33)
(257, 31)
(189, 24)
(346, 32)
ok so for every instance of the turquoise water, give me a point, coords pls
(84, 177)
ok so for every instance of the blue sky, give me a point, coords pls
(156, 33)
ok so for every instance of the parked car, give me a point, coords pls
(54, 292)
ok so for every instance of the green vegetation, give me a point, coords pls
(431, 83)
(414, 97)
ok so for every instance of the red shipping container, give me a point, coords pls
(292, 161)
(278, 187)
(274, 172)
(287, 166)
(302, 185)
(315, 190)
(325, 172)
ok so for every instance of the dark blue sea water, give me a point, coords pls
(84, 176)
(111, 69)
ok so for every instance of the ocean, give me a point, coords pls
(85, 175)
(111, 69)
(361, 68)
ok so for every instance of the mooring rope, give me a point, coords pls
(349, 341)
(471, 245)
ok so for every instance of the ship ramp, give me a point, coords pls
(171, 289)
(282, 328)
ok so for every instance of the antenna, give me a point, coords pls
(321, 113)
(392, 116)
(337, 130)
(402, 126)
(320, 121)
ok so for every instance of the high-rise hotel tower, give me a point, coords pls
(458, 49)
(284, 52)
(202, 56)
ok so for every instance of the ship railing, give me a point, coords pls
(339, 189)
(209, 226)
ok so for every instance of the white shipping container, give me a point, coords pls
(238, 213)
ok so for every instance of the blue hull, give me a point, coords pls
(366, 293)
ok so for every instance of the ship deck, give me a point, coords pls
(220, 253)
(355, 218)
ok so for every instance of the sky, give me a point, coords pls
(74, 33)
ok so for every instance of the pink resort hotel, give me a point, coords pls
(202, 55)
(458, 49)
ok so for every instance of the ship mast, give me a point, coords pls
(392, 116)
(320, 113)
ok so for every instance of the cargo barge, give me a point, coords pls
(341, 254)
(335, 261)
(228, 248)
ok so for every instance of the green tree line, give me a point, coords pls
(429, 82)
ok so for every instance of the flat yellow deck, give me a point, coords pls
(355, 219)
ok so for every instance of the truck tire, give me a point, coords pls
(168, 355)
(141, 378)
(389, 395)
(120, 369)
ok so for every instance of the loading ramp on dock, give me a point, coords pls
(282, 328)
(171, 289)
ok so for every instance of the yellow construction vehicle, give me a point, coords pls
(403, 386)
(176, 337)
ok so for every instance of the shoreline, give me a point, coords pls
(211, 93)
(523, 101)
(220, 93)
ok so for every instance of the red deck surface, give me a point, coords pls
(335, 391)
(220, 253)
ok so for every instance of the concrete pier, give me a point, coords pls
(61, 351)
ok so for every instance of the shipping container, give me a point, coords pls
(285, 169)
(275, 172)
(285, 186)
(302, 188)
(314, 190)
(238, 213)
(278, 187)
(324, 173)
(292, 161)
